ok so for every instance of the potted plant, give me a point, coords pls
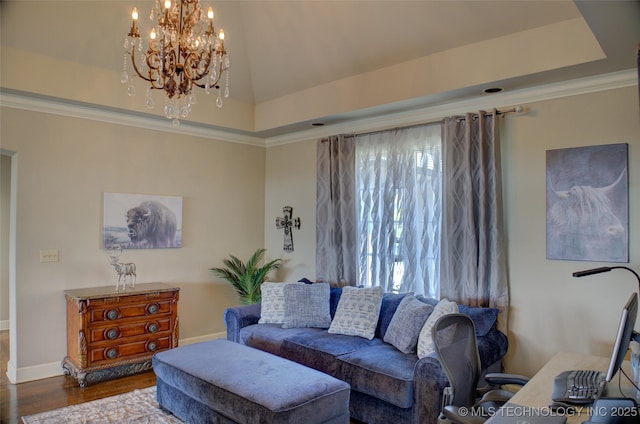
(247, 278)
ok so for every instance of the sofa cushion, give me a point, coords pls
(425, 340)
(380, 371)
(358, 312)
(306, 305)
(390, 303)
(269, 337)
(406, 324)
(320, 349)
(272, 304)
(483, 318)
(334, 299)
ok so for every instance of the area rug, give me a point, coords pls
(136, 407)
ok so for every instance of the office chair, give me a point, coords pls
(454, 338)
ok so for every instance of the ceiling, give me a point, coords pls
(286, 50)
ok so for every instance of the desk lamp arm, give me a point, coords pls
(635, 335)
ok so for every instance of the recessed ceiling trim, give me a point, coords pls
(570, 88)
(60, 107)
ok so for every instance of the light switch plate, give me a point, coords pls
(50, 255)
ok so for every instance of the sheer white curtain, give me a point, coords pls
(398, 188)
(473, 255)
(336, 211)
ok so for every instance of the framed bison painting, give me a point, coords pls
(140, 221)
(588, 203)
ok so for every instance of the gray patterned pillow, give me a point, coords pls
(406, 324)
(306, 305)
(358, 311)
(272, 304)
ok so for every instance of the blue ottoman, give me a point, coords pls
(226, 382)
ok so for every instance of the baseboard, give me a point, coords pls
(35, 372)
(205, 338)
(11, 372)
(38, 372)
(4, 324)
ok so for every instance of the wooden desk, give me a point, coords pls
(537, 393)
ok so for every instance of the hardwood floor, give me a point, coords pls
(17, 400)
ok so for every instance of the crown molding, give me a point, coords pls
(499, 101)
(19, 100)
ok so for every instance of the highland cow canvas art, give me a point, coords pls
(587, 204)
(138, 221)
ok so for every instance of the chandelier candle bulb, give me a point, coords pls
(134, 28)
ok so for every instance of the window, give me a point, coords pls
(398, 188)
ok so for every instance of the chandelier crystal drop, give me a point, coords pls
(183, 51)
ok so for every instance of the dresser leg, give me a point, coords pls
(71, 370)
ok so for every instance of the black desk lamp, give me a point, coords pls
(592, 271)
(606, 269)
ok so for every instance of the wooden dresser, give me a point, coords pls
(113, 333)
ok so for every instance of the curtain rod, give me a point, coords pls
(515, 109)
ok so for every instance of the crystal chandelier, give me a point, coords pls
(184, 51)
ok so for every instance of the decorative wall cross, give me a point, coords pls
(287, 222)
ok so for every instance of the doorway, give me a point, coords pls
(8, 196)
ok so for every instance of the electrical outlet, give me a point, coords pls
(49, 255)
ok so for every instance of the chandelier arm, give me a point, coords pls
(221, 69)
(195, 58)
(169, 64)
(135, 66)
(153, 55)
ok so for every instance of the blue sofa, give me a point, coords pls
(387, 386)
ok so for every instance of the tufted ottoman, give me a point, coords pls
(225, 382)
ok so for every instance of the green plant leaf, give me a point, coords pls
(248, 277)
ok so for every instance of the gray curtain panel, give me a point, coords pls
(336, 252)
(473, 254)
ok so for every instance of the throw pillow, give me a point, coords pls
(390, 303)
(357, 312)
(272, 304)
(483, 318)
(425, 341)
(406, 324)
(306, 305)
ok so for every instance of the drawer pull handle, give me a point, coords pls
(153, 327)
(153, 308)
(112, 314)
(112, 333)
(152, 346)
(112, 353)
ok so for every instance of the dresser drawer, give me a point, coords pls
(119, 330)
(127, 350)
(104, 312)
